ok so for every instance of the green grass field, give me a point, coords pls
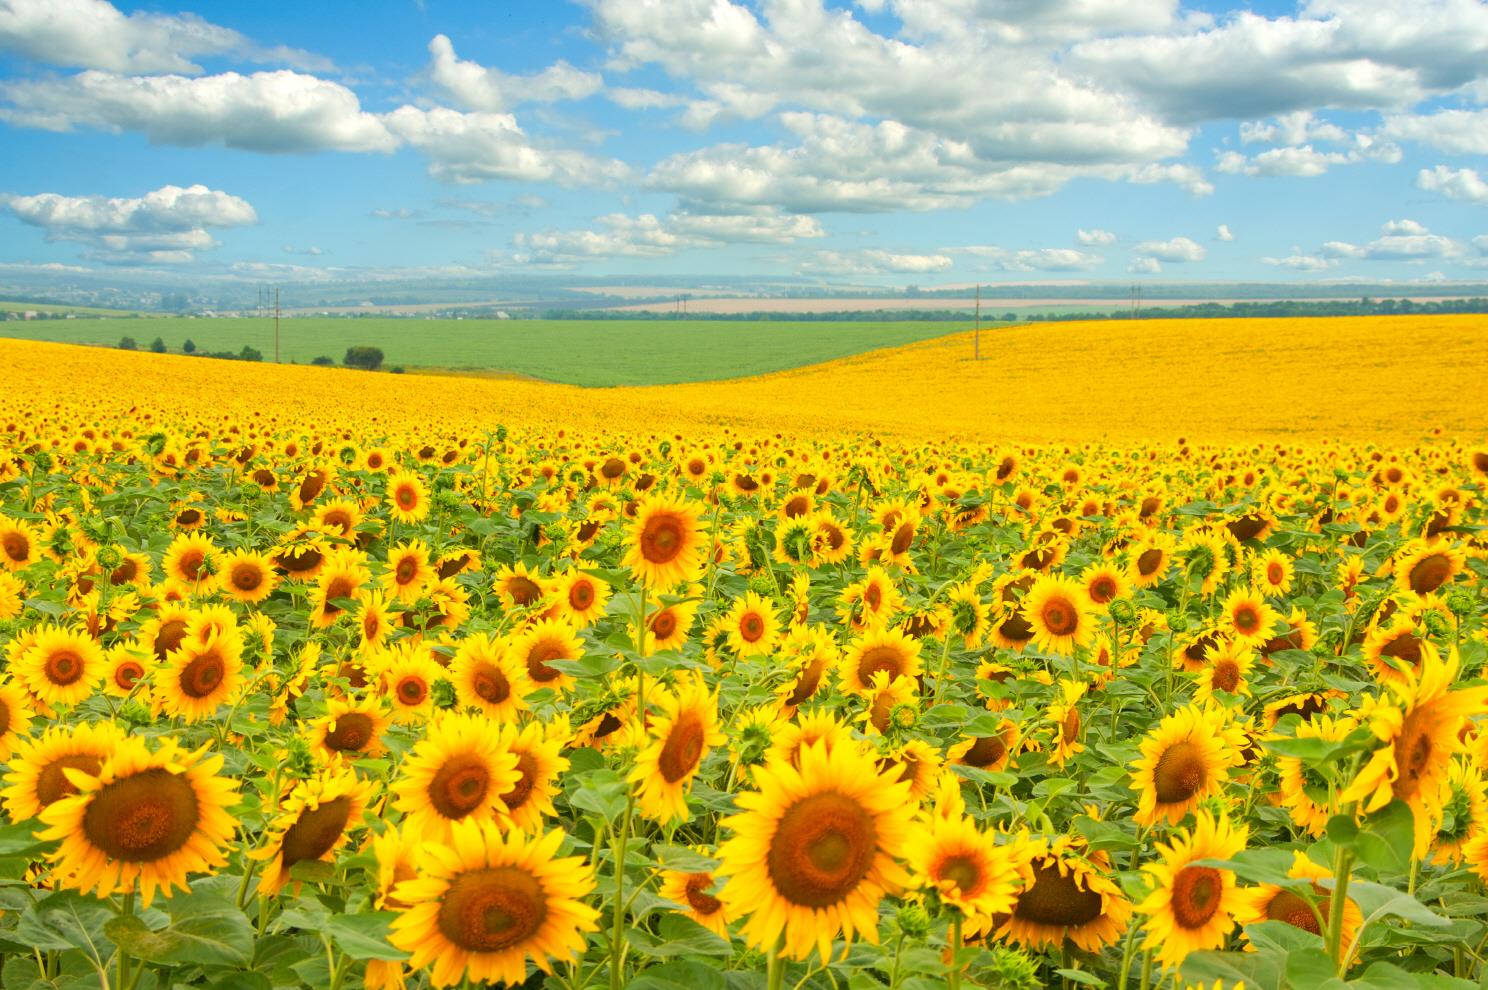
(579, 352)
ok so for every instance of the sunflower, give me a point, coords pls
(987, 752)
(681, 735)
(916, 763)
(1192, 907)
(1059, 613)
(520, 587)
(753, 626)
(1206, 556)
(536, 747)
(351, 729)
(1151, 556)
(200, 676)
(1246, 616)
(580, 598)
(190, 561)
(407, 571)
(1394, 651)
(831, 541)
(889, 699)
(313, 822)
(966, 867)
(19, 543)
(1273, 572)
(407, 680)
(486, 676)
(1419, 724)
(340, 580)
(1064, 715)
(124, 667)
(1424, 567)
(457, 772)
(878, 649)
(247, 576)
(543, 641)
(133, 570)
(483, 905)
(302, 554)
(39, 765)
(815, 849)
(1464, 812)
(12, 596)
(143, 820)
(61, 666)
(668, 626)
(407, 497)
(1104, 583)
(15, 717)
(1228, 667)
(1067, 895)
(1184, 760)
(870, 602)
(968, 614)
(374, 619)
(664, 545)
(696, 894)
(340, 516)
(1309, 912)
(1300, 634)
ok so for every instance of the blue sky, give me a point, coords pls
(926, 141)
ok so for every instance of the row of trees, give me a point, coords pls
(360, 356)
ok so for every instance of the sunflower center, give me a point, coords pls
(581, 595)
(1149, 561)
(1060, 616)
(1102, 590)
(1413, 751)
(125, 572)
(460, 785)
(523, 591)
(1057, 900)
(751, 627)
(351, 734)
(663, 624)
(1196, 895)
(1294, 910)
(1179, 773)
(412, 690)
(697, 896)
(985, 751)
(5, 717)
(52, 783)
(492, 909)
(879, 658)
(190, 564)
(808, 682)
(1246, 619)
(683, 748)
(63, 667)
(1430, 573)
(17, 547)
(1225, 676)
(143, 817)
(203, 675)
(823, 847)
(1275, 573)
(315, 832)
(407, 570)
(661, 539)
(1069, 729)
(246, 577)
(490, 684)
(1016, 629)
(522, 789)
(903, 537)
(964, 872)
(537, 661)
(407, 497)
(127, 673)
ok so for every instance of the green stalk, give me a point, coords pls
(1343, 863)
(617, 936)
(955, 975)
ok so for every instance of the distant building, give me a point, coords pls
(30, 314)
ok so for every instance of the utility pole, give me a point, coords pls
(977, 347)
(276, 324)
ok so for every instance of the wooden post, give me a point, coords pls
(276, 324)
(977, 347)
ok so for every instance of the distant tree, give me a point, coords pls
(250, 354)
(128, 344)
(366, 358)
(189, 347)
(324, 361)
(157, 346)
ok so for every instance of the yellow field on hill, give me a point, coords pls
(1379, 378)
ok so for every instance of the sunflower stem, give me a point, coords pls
(955, 974)
(1146, 969)
(898, 955)
(617, 935)
(775, 968)
(1343, 862)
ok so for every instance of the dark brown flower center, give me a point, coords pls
(1179, 773)
(142, 818)
(315, 832)
(460, 785)
(822, 849)
(492, 909)
(1196, 895)
(1057, 900)
(683, 748)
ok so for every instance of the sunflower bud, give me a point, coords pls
(913, 921)
(904, 717)
(1461, 603)
(1014, 969)
(1178, 623)
(135, 714)
(299, 760)
(1123, 611)
(1436, 623)
(443, 694)
(109, 557)
(761, 584)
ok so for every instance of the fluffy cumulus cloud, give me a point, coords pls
(1459, 132)
(477, 87)
(1298, 262)
(875, 261)
(1095, 237)
(621, 236)
(1035, 259)
(1400, 240)
(1178, 249)
(1223, 233)
(94, 34)
(478, 147)
(280, 111)
(169, 225)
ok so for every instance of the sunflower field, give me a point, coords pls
(318, 689)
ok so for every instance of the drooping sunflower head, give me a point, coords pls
(1067, 896)
(314, 821)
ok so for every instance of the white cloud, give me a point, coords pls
(1189, 177)
(1481, 243)
(476, 87)
(1144, 266)
(647, 235)
(1301, 262)
(1300, 127)
(1095, 237)
(1223, 233)
(93, 34)
(478, 147)
(1305, 161)
(875, 262)
(1457, 132)
(267, 111)
(644, 99)
(168, 225)
(1402, 240)
(1035, 259)
(1177, 249)
(1463, 184)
